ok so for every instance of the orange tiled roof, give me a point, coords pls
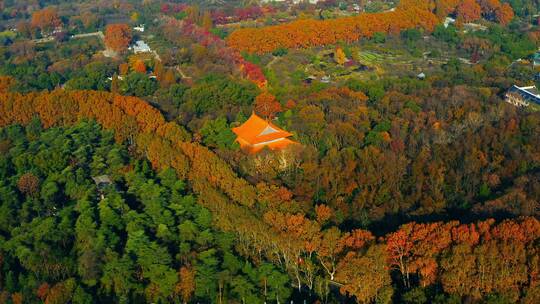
(257, 130)
(257, 133)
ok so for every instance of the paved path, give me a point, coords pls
(43, 40)
(156, 55)
(78, 36)
(99, 34)
(276, 58)
(182, 72)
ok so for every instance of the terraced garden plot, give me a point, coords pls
(369, 57)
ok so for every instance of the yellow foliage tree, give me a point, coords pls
(134, 17)
(340, 56)
(207, 21)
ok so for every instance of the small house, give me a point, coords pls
(310, 79)
(102, 181)
(120, 77)
(140, 47)
(536, 59)
(448, 21)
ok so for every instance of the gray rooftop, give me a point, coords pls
(102, 180)
(530, 93)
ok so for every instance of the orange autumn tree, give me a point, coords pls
(267, 105)
(489, 6)
(365, 275)
(6, 83)
(17, 298)
(323, 213)
(117, 37)
(504, 14)
(473, 10)
(43, 290)
(123, 69)
(494, 9)
(333, 245)
(468, 11)
(491, 259)
(46, 19)
(444, 8)
(330, 247)
(61, 292)
(186, 283)
(139, 66)
(414, 249)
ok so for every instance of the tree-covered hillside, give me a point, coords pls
(82, 221)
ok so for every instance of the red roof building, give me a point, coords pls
(257, 133)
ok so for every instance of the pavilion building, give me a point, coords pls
(257, 133)
(523, 96)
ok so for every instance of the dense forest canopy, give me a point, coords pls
(121, 180)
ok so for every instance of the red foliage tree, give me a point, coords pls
(165, 8)
(43, 291)
(253, 72)
(290, 104)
